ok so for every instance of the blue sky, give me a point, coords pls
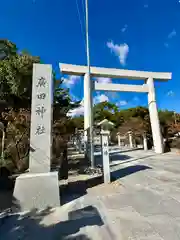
(139, 35)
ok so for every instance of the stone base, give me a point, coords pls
(36, 191)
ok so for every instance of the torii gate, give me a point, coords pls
(147, 87)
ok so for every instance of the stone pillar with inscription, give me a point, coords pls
(105, 155)
(39, 188)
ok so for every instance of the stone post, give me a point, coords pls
(155, 125)
(145, 142)
(105, 155)
(119, 139)
(130, 139)
(76, 140)
(76, 143)
(80, 142)
(39, 188)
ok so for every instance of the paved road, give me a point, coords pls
(144, 204)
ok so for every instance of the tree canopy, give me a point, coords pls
(133, 119)
(15, 104)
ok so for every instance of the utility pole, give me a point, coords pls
(88, 79)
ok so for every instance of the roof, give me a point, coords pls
(105, 121)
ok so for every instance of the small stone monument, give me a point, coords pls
(39, 188)
(105, 155)
(105, 135)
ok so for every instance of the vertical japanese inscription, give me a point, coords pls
(40, 109)
(41, 82)
(105, 146)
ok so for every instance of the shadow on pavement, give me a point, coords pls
(32, 225)
(68, 192)
(118, 157)
(127, 171)
(138, 158)
(77, 189)
(112, 157)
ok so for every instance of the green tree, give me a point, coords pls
(77, 122)
(16, 80)
(104, 110)
(15, 96)
(7, 49)
(167, 120)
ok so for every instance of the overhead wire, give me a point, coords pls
(83, 10)
(81, 23)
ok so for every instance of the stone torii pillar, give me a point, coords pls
(153, 113)
(88, 119)
(119, 139)
(130, 139)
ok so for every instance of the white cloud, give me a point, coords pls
(71, 80)
(100, 98)
(80, 110)
(122, 103)
(103, 80)
(124, 28)
(172, 34)
(77, 111)
(170, 93)
(74, 98)
(121, 51)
